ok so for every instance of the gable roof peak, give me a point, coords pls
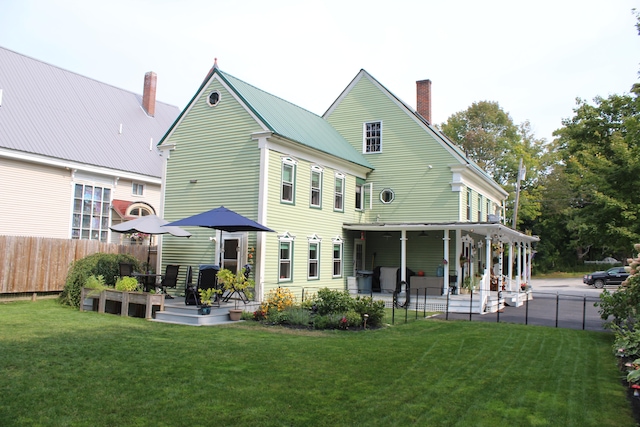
(211, 71)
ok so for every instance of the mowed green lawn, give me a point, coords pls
(61, 367)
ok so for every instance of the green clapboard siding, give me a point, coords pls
(303, 221)
(421, 194)
(214, 147)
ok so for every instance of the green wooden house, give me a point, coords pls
(370, 194)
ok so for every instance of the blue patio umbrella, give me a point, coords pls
(221, 219)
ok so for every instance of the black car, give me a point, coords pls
(613, 276)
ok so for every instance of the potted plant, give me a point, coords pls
(206, 297)
(470, 283)
(127, 284)
(236, 283)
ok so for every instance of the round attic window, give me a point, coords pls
(214, 98)
(387, 195)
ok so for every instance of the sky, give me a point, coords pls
(533, 58)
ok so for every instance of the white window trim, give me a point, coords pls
(314, 240)
(341, 176)
(293, 163)
(320, 171)
(137, 185)
(337, 241)
(105, 204)
(393, 196)
(286, 238)
(360, 197)
(364, 137)
(209, 98)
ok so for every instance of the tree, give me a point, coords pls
(598, 148)
(487, 134)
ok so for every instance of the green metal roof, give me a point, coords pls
(290, 121)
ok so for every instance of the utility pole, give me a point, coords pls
(521, 175)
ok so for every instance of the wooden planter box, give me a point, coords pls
(143, 298)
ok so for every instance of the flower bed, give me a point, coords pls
(329, 309)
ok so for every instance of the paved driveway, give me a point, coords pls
(563, 303)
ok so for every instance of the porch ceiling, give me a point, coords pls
(499, 231)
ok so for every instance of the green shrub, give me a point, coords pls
(623, 305)
(95, 282)
(332, 301)
(277, 317)
(98, 264)
(627, 341)
(298, 316)
(354, 320)
(247, 315)
(128, 284)
(366, 305)
(327, 321)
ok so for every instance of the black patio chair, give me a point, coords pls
(126, 269)
(207, 279)
(190, 290)
(170, 279)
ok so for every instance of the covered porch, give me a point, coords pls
(447, 260)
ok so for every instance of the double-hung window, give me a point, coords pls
(469, 195)
(316, 187)
(285, 257)
(479, 208)
(338, 204)
(337, 257)
(359, 195)
(288, 180)
(137, 189)
(372, 137)
(313, 271)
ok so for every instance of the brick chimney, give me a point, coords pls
(423, 88)
(149, 93)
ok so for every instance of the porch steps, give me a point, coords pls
(176, 312)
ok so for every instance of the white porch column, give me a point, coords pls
(518, 280)
(527, 264)
(487, 263)
(510, 265)
(459, 246)
(403, 252)
(445, 257)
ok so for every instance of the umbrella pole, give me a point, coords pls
(149, 256)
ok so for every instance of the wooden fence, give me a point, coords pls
(40, 264)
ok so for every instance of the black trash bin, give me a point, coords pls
(364, 278)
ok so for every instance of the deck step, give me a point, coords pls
(177, 312)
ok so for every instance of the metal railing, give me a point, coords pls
(539, 308)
